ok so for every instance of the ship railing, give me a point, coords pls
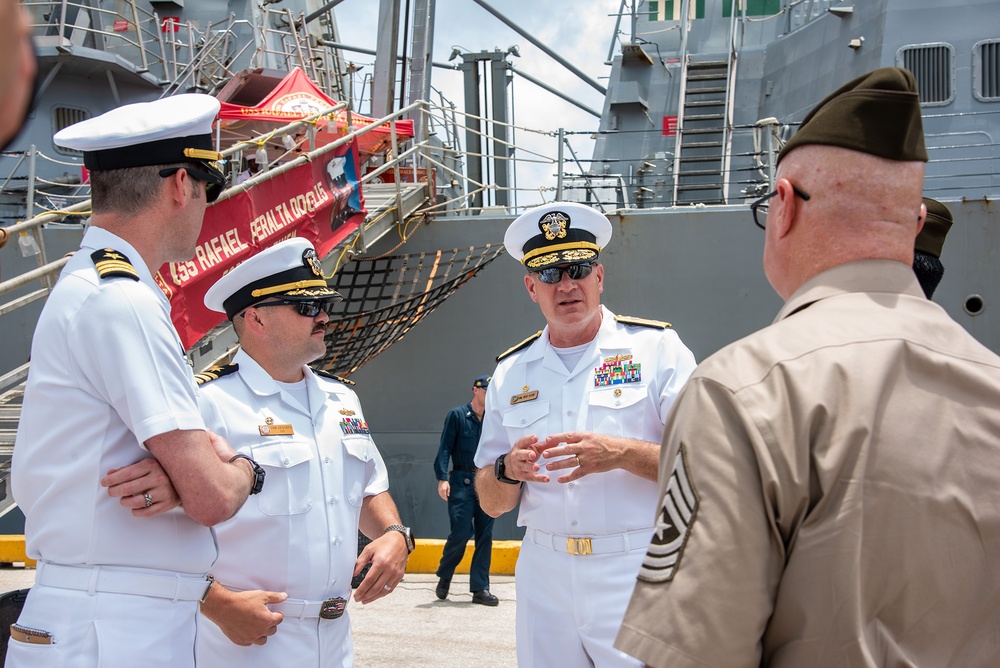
(291, 45)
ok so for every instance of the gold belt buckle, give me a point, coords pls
(581, 546)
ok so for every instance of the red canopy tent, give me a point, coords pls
(295, 97)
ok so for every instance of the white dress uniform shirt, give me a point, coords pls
(597, 504)
(569, 607)
(300, 534)
(108, 372)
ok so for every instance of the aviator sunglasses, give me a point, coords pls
(309, 308)
(215, 182)
(576, 272)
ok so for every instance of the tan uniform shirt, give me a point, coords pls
(830, 491)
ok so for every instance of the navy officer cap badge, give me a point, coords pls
(288, 270)
(482, 381)
(176, 129)
(557, 233)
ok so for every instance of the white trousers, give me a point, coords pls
(569, 607)
(104, 630)
(298, 643)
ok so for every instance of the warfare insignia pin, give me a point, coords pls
(554, 225)
(269, 420)
(346, 411)
(674, 519)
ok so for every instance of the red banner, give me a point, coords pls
(320, 201)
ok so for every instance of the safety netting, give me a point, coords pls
(386, 296)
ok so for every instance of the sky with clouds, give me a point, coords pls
(578, 30)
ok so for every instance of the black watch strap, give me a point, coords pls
(258, 473)
(500, 471)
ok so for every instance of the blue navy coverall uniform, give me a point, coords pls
(459, 441)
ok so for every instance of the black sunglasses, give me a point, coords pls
(759, 207)
(214, 183)
(576, 272)
(309, 308)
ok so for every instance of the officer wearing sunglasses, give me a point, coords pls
(571, 432)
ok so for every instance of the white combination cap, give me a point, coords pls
(173, 129)
(557, 233)
(288, 270)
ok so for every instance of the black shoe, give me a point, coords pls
(442, 589)
(484, 597)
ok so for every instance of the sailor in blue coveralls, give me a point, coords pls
(459, 441)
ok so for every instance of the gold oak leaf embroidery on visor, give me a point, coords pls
(674, 519)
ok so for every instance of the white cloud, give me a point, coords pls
(580, 31)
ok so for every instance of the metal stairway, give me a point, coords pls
(702, 133)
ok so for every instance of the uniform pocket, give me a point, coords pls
(613, 408)
(359, 466)
(523, 419)
(286, 484)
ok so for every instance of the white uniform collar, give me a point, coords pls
(97, 238)
(260, 382)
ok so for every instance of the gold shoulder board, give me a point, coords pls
(215, 372)
(112, 264)
(327, 374)
(522, 344)
(642, 322)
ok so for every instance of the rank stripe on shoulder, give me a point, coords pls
(112, 264)
(521, 345)
(673, 525)
(327, 374)
(215, 372)
(642, 322)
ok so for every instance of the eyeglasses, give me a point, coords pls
(214, 183)
(759, 208)
(309, 308)
(576, 272)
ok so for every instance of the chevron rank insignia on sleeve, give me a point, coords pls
(674, 519)
(112, 264)
(327, 374)
(215, 372)
(642, 322)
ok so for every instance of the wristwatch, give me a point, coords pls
(407, 534)
(258, 473)
(500, 471)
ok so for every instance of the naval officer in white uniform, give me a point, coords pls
(324, 477)
(573, 420)
(120, 575)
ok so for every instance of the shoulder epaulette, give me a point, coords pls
(112, 264)
(522, 344)
(215, 372)
(327, 374)
(642, 322)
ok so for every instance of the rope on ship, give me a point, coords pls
(386, 296)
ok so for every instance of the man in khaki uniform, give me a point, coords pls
(828, 485)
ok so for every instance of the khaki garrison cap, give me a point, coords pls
(557, 233)
(877, 113)
(288, 270)
(935, 229)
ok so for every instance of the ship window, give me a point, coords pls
(986, 72)
(754, 7)
(63, 117)
(932, 68)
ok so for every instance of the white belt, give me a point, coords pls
(93, 579)
(301, 609)
(584, 545)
